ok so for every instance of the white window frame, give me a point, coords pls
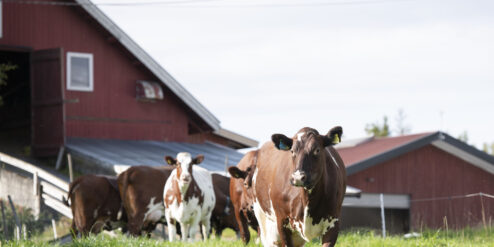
(91, 71)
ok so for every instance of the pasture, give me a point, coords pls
(361, 238)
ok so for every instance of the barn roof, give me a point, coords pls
(118, 154)
(150, 63)
(367, 152)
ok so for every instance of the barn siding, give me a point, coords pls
(430, 173)
(111, 110)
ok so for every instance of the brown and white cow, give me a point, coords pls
(241, 193)
(223, 215)
(299, 184)
(141, 190)
(188, 197)
(95, 204)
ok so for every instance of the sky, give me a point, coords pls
(274, 66)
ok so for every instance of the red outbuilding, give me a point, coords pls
(428, 180)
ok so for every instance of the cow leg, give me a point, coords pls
(285, 234)
(172, 230)
(329, 239)
(206, 226)
(242, 226)
(185, 231)
(73, 229)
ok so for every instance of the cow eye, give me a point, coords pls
(316, 151)
(293, 153)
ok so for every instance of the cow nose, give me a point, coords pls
(298, 178)
(186, 179)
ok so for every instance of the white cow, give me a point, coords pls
(188, 197)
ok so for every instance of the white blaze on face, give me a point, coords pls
(297, 178)
(185, 161)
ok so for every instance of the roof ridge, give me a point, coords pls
(150, 63)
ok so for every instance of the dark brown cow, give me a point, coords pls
(299, 185)
(242, 195)
(141, 190)
(223, 213)
(95, 204)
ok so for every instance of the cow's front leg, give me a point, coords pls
(285, 233)
(329, 239)
(172, 230)
(185, 231)
(206, 226)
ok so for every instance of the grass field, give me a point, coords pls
(463, 238)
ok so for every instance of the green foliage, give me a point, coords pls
(365, 238)
(488, 148)
(4, 68)
(378, 129)
(33, 226)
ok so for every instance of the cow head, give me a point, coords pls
(241, 174)
(308, 153)
(183, 164)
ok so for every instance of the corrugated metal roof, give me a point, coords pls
(110, 153)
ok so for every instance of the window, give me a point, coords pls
(80, 71)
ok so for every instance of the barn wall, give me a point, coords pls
(431, 173)
(111, 110)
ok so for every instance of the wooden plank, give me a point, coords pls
(53, 191)
(57, 205)
(33, 169)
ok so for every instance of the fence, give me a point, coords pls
(47, 188)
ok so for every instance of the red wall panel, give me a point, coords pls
(432, 173)
(111, 110)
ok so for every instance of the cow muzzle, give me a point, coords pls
(298, 178)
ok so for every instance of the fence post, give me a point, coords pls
(24, 231)
(59, 157)
(54, 225)
(383, 220)
(71, 175)
(17, 221)
(5, 230)
(37, 196)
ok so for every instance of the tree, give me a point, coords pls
(488, 148)
(463, 137)
(378, 130)
(401, 127)
(4, 68)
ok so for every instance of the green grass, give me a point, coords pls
(361, 238)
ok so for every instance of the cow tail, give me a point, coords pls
(72, 187)
(125, 183)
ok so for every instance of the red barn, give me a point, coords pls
(80, 76)
(428, 180)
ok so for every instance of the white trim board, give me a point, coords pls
(371, 200)
(486, 166)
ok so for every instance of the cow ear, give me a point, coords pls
(198, 159)
(282, 142)
(236, 172)
(170, 160)
(333, 137)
